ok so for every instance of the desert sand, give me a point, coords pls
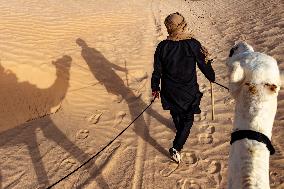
(73, 74)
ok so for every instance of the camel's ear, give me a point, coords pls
(236, 72)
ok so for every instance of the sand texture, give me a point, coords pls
(73, 74)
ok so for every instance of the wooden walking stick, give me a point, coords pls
(212, 101)
(126, 73)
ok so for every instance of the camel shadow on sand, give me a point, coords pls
(26, 134)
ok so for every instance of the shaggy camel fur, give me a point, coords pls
(254, 84)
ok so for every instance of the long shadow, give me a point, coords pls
(26, 133)
(103, 71)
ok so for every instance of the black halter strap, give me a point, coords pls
(253, 135)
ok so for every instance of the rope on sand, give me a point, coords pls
(92, 157)
(55, 183)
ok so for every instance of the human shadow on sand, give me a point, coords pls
(27, 133)
(103, 71)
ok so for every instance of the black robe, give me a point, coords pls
(175, 65)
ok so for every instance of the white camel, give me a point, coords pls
(254, 84)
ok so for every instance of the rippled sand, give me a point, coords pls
(65, 92)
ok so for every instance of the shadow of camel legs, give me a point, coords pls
(103, 71)
(53, 133)
(37, 162)
(28, 136)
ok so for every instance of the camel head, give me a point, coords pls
(253, 71)
(240, 47)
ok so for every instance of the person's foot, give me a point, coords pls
(175, 155)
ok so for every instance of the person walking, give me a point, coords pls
(175, 62)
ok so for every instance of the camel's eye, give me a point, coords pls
(271, 87)
(232, 51)
(252, 88)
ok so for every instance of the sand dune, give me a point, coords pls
(73, 74)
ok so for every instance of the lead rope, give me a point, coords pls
(87, 161)
(221, 85)
(101, 149)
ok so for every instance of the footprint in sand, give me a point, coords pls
(218, 178)
(201, 117)
(207, 129)
(275, 178)
(215, 169)
(170, 167)
(189, 158)
(205, 138)
(229, 101)
(119, 117)
(179, 184)
(67, 164)
(210, 130)
(82, 134)
(187, 184)
(94, 118)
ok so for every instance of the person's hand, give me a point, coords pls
(155, 94)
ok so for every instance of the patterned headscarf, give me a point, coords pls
(178, 30)
(177, 27)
